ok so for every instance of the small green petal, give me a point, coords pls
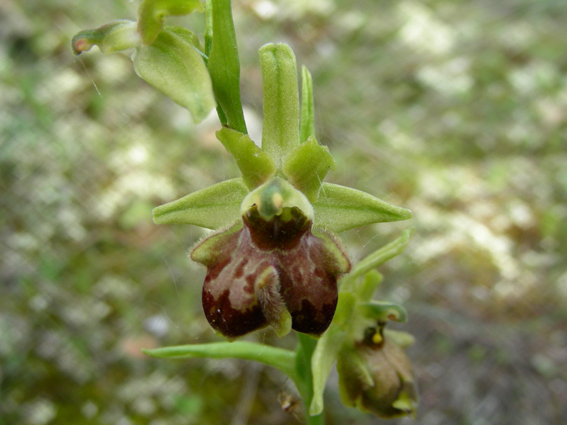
(307, 166)
(213, 207)
(112, 37)
(380, 256)
(173, 65)
(280, 131)
(307, 128)
(151, 14)
(255, 165)
(340, 208)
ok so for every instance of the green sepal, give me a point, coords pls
(380, 256)
(256, 166)
(281, 359)
(340, 208)
(400, 338)
(307, 128)
(280, 130)
(189, 36)
(380, 311)
(307, 166)
(224, 65)
(367, 286)
(212, 207)
(173, 65)
(113, 37)
(151, 14)
(328, 348)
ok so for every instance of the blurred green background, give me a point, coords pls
(454, 109)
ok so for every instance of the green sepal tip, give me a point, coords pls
(341, 208)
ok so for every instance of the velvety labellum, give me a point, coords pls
(267, 270)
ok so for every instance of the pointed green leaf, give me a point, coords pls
(224, 65)
(281, 359)
(307, 166)
(380, 256)
(151, 14)
(307, 106)
(256, 166)
(280, 131)
(173, 65)
(340, 208)
(212, 207)
(328, 348)
(112, 37)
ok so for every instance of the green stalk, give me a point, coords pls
(223, 64)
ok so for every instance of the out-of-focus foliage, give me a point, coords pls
(456, 110)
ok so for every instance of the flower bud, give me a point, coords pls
(376, 376)
(271, 269)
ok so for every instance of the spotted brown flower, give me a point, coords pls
(260, 272)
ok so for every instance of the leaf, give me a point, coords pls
(212, 207)
(328, 348)
(255, 165)
(282, 359)
(340, 208)
(280, 130)
(224, 65)
(380, 256)
(307, 166)
(113, 37)
(307, 128)
(152, 13)
(173, 65)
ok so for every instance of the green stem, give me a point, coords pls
(223, 64)
(305, 376)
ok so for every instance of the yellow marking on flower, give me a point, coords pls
(377, 338)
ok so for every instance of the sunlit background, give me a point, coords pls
(456, 110)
